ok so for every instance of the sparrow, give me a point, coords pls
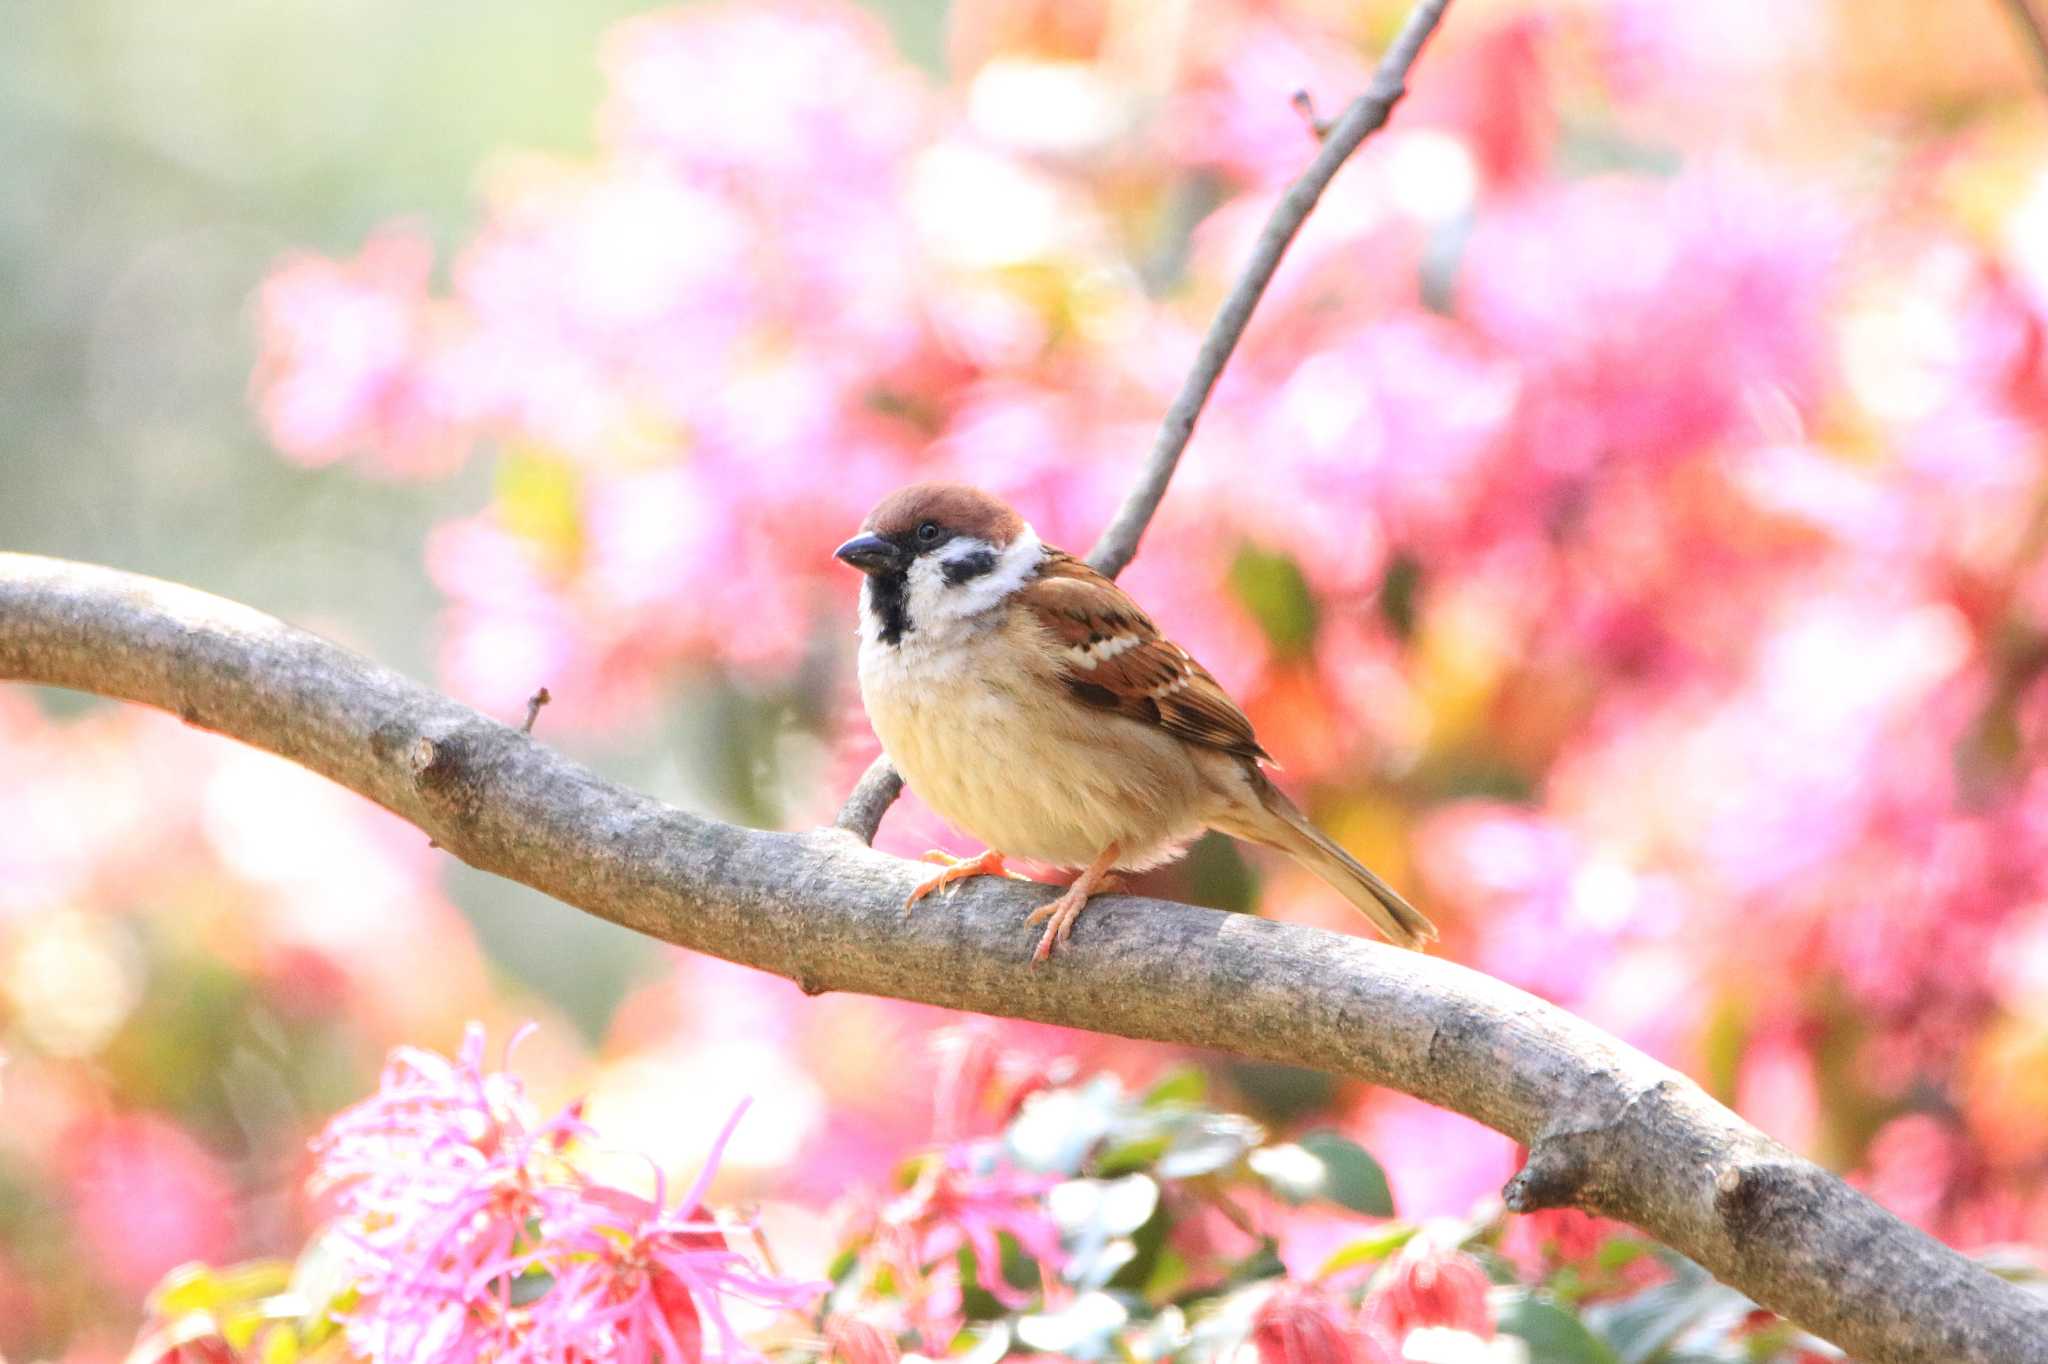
(1030, 702)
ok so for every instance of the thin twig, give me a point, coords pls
(533, 705)
(879, 785)
(1305, 104)
(2032, 33)
(1365, 116)
(870, 799)
(1609, 1129)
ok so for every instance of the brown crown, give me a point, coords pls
(955, 506)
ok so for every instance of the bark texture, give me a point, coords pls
(1609, 1129)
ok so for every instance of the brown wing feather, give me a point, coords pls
(1116, 659)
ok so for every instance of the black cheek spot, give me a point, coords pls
(968, 567)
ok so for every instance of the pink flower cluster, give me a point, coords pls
(1665, 538)
(1429, 1287)
(470, 1233)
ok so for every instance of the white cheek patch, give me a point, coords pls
(1101, 650)
(938, 604)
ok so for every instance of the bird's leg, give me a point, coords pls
(1062, 912)
(954, 869)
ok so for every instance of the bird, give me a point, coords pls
(1032, 704)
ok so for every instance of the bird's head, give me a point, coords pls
(937, 555)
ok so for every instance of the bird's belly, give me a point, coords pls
(1016, 764)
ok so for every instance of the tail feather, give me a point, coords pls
(1284, 827)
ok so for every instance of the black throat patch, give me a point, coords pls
(886, 598)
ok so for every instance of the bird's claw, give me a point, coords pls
(956, 869)
(1058, 917)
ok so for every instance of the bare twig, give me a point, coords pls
(870, 799)
(1364, 116)
(533, 705)
(1305, 104)
(2032, 33)
(879, 786)
(1609, 1129)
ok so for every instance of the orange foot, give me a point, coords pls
(954, 869)
(1061, 913)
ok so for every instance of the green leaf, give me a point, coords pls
(1167, 1274)
(985, 1346)
(1263, 1263)
(842, 1264)
(1645, 1327)
(1621, 1252)
(1555, 1336)
(280, 1346)
(1131, 1156)
(976, 1302)
(1181, 1085)
(1400, 587)
(1141, 1276)
(1019, 1270)
(1276, 593)
(188, 1288)
(1351, 1178)
(1217, 875)
(531, 1287)
(1367, 1250)
(255, 1279)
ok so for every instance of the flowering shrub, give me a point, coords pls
(1623, 519)
(1640, 563)
(465, 1229)
(1094, 1223)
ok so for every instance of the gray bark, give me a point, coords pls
(1611, 1130)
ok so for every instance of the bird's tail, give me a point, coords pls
(1278, 824)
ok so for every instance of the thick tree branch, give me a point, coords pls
(1609, 1129)
(879, 786)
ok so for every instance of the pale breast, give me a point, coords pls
(1007, 758)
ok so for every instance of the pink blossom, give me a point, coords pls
(348, 356)
(777, 93)
(1234, 111)
(966, 1196)
(982, 1083)
(146, 1197)
(1645, 313)
(1778, 1090)
(1914, 1167)
(1298, 1325)
(1495, 92)
(453, 1197)
(1439, 1162)
(854, 1341)
(1430, 1284)
(1534, 1242)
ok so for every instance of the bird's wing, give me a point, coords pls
(1115, 659)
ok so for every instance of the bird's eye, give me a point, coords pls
(928, 533)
